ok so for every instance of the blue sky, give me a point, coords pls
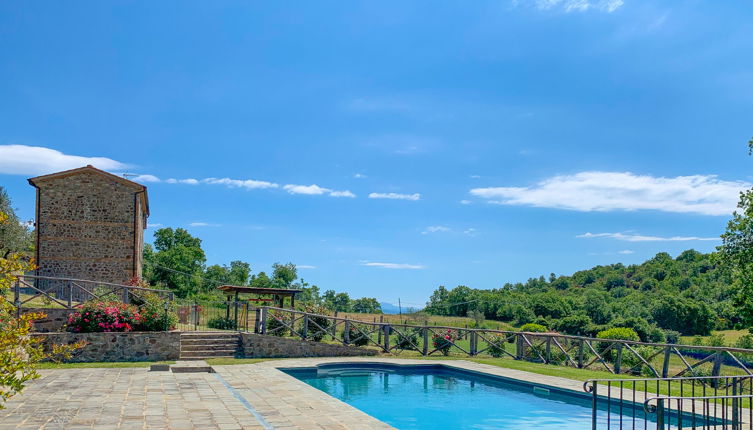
(391, 147)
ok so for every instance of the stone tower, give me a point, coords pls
(90, 225)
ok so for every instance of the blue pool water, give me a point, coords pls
(439, 397)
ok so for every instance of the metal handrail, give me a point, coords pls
(648, 407)
(130, 287)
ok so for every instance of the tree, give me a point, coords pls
(176, 262)
(366, 305)
(261, 281)
(283, 275)
(338, 302)
(736, 253)
(15, 237)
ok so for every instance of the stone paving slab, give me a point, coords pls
(133, 398)
(248, 396)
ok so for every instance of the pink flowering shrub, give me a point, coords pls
(443, 341)
(104, 317)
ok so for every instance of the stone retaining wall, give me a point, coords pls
(55, 320)
(132, 346)
(260, 346)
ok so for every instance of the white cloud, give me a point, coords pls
(470, 231)
(608, 6)
(204, 224)
(37, 160)
(189, 181)
(145, 178)
(315, 190)
(345, 193)
(395, 196)
(359, 176)
(465, 202)
(250, 184)
(626, 252)
(475, 176)
(305, 266)
(436, 229)
(153, 225)
(393, 265)
(609, 191)
(305, 189)
(642, 238)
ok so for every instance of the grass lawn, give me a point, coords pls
(730, 336)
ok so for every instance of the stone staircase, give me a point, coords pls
(201, 345)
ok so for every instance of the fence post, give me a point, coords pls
(548, 349)
(581, 351)
(257, 320)
(305, 328)
(70, 295)
(519, 347)
(264, 320)
(387, 330)
(126, 296)
(594, 403)
(426, 341)
(618, 362)
(474, 342)
(196, 316)
(660, 414)
(246, 318)
(17, 298)
(346, 333)
(235, 305)
(166, 319)
(716, 370)
(735, 406)
(665, 365)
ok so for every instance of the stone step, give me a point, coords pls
(209, 335)
(215, 347)
(209, 353)
(214, 341)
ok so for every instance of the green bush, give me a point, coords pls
(621, 333)
(715, 340)
(497, 345)
(533, 328)
(320, 318)
(408, 339)
(672, 336)
(745, 342)
(222, 323)
(152, 309)
(576, 325)
(275, 324)
(355, 337)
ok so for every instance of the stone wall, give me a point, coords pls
(55, 320)
(132, 346)
(89, 227)
(261, 346)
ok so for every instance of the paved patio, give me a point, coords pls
(248, 396)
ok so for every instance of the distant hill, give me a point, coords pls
(389, 308)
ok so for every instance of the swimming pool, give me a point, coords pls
(435, 396)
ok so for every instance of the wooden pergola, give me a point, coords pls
(275, 296)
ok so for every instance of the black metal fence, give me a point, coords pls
(213, 316)
(711, 402)
(32, 291)
(615, 356)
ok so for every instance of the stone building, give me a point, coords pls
(90, 225)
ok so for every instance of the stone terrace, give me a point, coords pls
(247, 396)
